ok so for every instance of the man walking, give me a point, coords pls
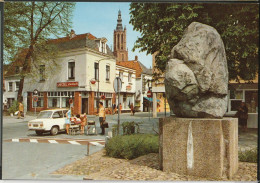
(20, 113)
(102, 117)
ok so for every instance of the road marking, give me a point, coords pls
(53, 141)
(33, 140)
(74, 142)
(93, 142)
(96, 144)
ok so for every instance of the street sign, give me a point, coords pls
(35, 98)
(35, 92)
(70, 101)
(117, 84)
(103, 97)
(149, 94)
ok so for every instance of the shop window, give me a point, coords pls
(236, 94)
(10, 86)
(42, 72)
(107, 72)
(96, 70)
(71, 70)
(251, 99)
(17, 83)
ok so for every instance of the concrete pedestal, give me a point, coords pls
(199, 147)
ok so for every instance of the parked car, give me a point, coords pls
(51, 121)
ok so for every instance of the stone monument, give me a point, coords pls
(198, 141)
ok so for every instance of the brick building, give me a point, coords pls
(120, 49)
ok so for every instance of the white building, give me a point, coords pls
(127, 93)
(85, 71)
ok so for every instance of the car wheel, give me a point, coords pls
(54, 130)
(39, 132)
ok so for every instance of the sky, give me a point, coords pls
(100, 19)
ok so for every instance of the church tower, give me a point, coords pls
(120, 50)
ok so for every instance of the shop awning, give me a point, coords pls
(150, 99)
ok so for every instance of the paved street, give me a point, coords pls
(28, 156)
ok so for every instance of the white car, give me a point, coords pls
(51, 121)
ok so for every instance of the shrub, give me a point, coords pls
(130, 127)
(14, 107)
(132, 146)
(248, 155)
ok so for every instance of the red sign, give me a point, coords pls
(149, 94)
(129, 87)
(35, 98)
(68, 84)
(103, 97)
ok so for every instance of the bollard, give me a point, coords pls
(88, 149)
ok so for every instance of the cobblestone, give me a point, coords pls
(100, 167)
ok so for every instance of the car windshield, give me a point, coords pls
(45, 114)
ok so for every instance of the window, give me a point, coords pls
(129, 77)
(57, 114)
(103, 45)
(121, 76)
(71, 69)
(107, 72)
(16, 69)
(96, 71)
(17, 83)
(42, 72)
(10, 86)
(236, 97)
(39, 103)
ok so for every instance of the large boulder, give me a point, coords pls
(196, 78)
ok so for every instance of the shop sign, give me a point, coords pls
(67, 84)
(129, 87)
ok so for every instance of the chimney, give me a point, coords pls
(136, 58)
(72, 34)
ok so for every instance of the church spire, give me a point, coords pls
(119, 22)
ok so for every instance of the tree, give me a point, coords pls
(162, 26)
(37, 21)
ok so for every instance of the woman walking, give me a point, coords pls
(67, 120)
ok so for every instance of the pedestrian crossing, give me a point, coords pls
(93, 142)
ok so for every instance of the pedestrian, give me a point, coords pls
(242, 115)
(114, 108)
(20, 109)
(102, 117)
(120, 108)
(132, 109)
(67, 119)
(83, 119)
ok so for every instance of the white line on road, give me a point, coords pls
(74, 142)
(33, 140)
(15, 140)
(97, 144)
(53, 141)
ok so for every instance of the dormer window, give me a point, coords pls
(102, 45)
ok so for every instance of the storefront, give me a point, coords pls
(247, 93)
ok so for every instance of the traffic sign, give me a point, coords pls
(35, 92)
(35, 98)
(149, 94)
(103, 97)
(117, 84)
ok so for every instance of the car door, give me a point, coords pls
(58, 119)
